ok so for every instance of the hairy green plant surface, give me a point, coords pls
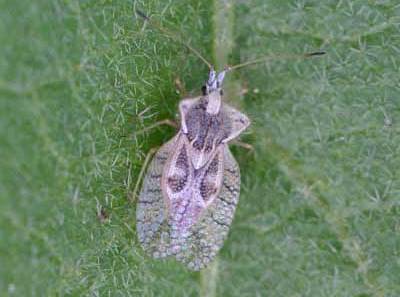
(319, 212)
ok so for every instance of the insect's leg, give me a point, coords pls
(167, 122)
(243, 145)
(180, 87)
(146, 162)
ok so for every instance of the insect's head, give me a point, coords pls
(213, 90)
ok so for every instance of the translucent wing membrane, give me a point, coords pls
(152, 224)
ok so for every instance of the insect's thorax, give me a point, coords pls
(205, 131)
(208, 123)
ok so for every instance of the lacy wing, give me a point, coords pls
(207, 236)
(152, 223)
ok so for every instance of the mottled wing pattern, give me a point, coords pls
(151, 214)
(189, 192)
(208, 234)
(205, 238)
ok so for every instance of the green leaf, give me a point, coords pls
(319, 207)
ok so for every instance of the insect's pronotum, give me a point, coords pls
(192, 185)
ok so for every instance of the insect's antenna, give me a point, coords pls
(173, 36)
(273, 57)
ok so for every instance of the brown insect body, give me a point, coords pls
(192, 186)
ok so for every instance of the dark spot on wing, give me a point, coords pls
(176, 183)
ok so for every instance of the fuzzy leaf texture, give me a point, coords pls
(318, 213)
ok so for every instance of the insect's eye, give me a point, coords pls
(204, 90)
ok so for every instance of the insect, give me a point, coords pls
(192, 184)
